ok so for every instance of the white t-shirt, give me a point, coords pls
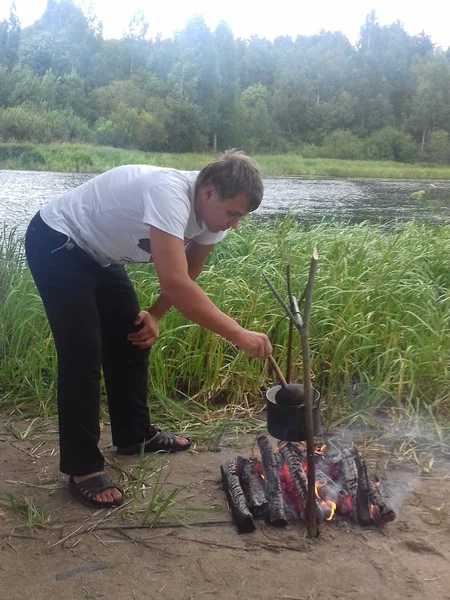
(110, 215)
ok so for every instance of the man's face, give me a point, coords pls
(220, 215)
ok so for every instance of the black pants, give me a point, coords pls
(91, 309)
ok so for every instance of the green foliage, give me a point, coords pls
(64, 39)
(308, 164)
(438, 147)
(380, 318)
(342, 144)
(33, 513)
(186, 126)
(391, 144)
(205, 89)
(27, 123)
(430, 106)
(255, 119)
(9, 39)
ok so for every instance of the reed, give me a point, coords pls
(379, 336)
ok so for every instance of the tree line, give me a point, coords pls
(386, 97)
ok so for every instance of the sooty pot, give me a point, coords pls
(287, 423)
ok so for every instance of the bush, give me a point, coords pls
(438, 147)
(30, 124)
(391, 144)
(32, 159)
(109, 133)
(342, 144)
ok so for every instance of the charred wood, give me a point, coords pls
(385, 513)
(299, 450)
(329, 490)
(364, 516)
(297, 474)
(277, 515)
(349, 473)
(236, 498)
(253, 487)
(299, 479)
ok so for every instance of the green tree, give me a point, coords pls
(6, 86)
(135, 43)
(200, 64)
(430, 106)
(64, 39)
(229, 97)
(10, 38)
(391, 144)
(257, 62)
(438, 147)
(26, 86)
(343, 144)
(187, 126)
(256, 119)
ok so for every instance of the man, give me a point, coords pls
(76, 247)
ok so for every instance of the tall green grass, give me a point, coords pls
(380, 324)
(95, 159)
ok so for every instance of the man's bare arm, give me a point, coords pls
(196, 255)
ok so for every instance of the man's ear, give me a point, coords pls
(209, 191)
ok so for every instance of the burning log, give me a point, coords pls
(364, 516)
(278, 486)
(299, 479)
(236, 498)
(349, 473)
(331, 493)
(253, 487)
(385, 513)
(368, 503)
(277, 515)
(297, 473)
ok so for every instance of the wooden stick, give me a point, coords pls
(279, 298)
(278, 372)
(291, 324)
(309, 428)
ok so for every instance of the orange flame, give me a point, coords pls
(326, 503)
(320, 448)
(332, 506)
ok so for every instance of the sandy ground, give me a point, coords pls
(408, 558)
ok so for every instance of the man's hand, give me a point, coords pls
(148, 333)
(256, 344)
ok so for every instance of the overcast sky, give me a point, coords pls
(248, 17)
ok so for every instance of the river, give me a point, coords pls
(22, 193)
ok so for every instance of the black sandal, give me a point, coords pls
(85, 491)
(162, 440)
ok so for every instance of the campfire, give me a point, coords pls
(275, 487)
(278, 486)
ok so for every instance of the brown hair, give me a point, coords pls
(231, 174)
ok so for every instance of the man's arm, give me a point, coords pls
(178, 288)
(196, 255)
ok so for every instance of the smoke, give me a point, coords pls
(398, 448)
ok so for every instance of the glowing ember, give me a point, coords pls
(339, 492)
